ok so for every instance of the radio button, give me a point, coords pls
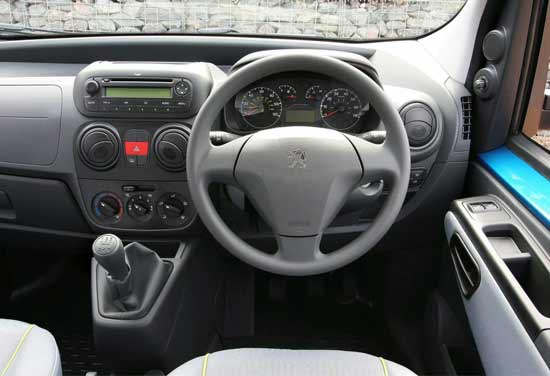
(182, 88)
(180, 103)
(165, 103)
(126, 108)
(91, 104)
(148, 102)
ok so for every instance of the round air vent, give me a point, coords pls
(99, 147)
(420, 123)
(171, 147)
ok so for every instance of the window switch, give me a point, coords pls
(490, 206)
(477, 207)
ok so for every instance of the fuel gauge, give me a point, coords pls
(287, 94)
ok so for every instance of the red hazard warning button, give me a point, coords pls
(136, 148)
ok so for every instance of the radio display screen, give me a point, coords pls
(138, 92)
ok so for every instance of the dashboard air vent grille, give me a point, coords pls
(466, 103)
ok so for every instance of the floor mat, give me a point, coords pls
(78, 354)
(64, 309)
(316, 323)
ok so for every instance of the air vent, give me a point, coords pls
(171, 147)
(420, 123)
(466, 102)
(99, 146)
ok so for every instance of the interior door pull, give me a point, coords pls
(466, 268)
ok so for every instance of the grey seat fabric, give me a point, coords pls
(27, 349)
(271, 362)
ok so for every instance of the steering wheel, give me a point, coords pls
(298, 178)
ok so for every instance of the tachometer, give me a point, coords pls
(341, 109)
(261, 107)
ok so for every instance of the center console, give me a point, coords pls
(131, 155)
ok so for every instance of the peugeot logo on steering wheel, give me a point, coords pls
(297, 158)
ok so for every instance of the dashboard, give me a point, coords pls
(299, 98)
(113, 136)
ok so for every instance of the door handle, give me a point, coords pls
(466, 268)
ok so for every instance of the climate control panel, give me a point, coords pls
(149, 205)
(132, 174)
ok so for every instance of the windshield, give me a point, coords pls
(341, 19)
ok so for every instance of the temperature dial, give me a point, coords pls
(107, 207)
(172, 209)
(287, 94)
(140, 207)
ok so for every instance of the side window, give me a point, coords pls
(540, 133)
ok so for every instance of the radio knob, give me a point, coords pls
(92, 87)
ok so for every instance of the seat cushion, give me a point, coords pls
(27, 350)
(271, 362)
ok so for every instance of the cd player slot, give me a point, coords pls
(163, 80)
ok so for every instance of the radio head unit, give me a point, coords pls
(142, 90)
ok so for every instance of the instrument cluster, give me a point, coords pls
(299, 99)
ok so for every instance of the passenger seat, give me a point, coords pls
(26, 350)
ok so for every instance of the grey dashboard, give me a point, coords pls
(44, 135)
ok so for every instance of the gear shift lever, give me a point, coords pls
(109, 252)
(128, 279)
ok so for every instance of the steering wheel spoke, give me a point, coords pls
(219, 162)
(379, 161)
(299, 249)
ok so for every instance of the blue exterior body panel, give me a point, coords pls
(526, 183)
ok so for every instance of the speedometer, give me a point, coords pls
(341, 109)
(261, 107)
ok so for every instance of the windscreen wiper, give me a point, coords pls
(217, 30)
(11, 29)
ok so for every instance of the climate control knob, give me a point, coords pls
(140, 207)
(172, 209)
(107, 207)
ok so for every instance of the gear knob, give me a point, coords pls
(110, 254)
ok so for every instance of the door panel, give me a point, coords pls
(504, 345)
(509, 310)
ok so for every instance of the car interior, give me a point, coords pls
(250, 195)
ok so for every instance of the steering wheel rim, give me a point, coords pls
(230, 163)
